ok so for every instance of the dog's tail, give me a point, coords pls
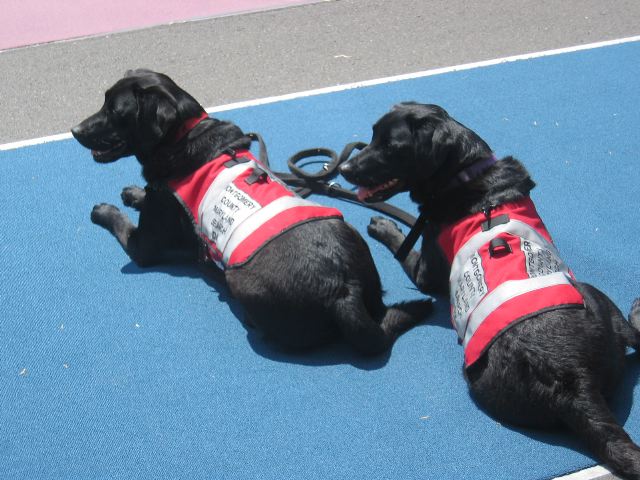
(373, 334)
(589, 416)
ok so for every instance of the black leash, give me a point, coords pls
(305, 183)
(411, 239)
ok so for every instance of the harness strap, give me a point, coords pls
(234, 160)
(493, 221)
(257, 175)
(305, 183)
(464, 176)
(411, 239)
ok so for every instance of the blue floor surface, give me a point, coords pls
(112, 371)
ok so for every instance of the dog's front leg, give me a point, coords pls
(163, 234)
(141, 249)
(388, 233)
(133, 196)
(420, 267)
(112, 219)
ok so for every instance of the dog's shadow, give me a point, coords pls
(335, 353)
(620, 405)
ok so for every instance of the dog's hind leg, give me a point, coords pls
(628, 330)
(634, 315)
(589, 416)
(372, 337)
(631, 329)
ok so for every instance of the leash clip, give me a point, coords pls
(333, 188)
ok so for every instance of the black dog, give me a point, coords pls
(558, 364)
(301, 288)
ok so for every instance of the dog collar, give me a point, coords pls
(466, 175)
(472, 171)
(189, 125)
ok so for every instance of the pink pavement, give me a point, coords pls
(28, 22)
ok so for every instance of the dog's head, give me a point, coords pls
(141, 111)
(415, 147)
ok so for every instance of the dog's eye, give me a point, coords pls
(117, 114)
(396, 146)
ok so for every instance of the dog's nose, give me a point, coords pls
(346, 168)
(77, 130)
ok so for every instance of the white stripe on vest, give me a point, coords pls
(470, 301)
(219, 215)
(507, 291)
(226, 215)
(259, 218)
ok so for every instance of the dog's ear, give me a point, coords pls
(442, 144)
(157, 113)
(433, 140)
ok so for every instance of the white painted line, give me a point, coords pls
(366, 83)
(426, 73)
(593, 473)
(35, 141)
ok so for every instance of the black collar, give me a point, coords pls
(466, 175)
(471, 172)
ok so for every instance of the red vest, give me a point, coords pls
(237, 206)
(502, 272)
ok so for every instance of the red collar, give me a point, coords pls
(189, 125)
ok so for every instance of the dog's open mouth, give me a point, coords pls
(110, 155)
(380, 192)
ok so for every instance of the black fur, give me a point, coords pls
(302, 289)
(556, 368)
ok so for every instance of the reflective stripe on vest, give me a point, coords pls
(489, 292)
(235, 216)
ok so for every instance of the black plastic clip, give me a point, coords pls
(256, 176)
(492, 222)
(333, 189)
(235, 161)
(499, 247)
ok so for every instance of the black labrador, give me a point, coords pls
(304, 287)
(556, 367)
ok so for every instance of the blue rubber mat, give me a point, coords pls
(112, 371)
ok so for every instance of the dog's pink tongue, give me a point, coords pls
(364, 193)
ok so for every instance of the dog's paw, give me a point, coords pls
(381, 228)
(132, 196)
(104, 214)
